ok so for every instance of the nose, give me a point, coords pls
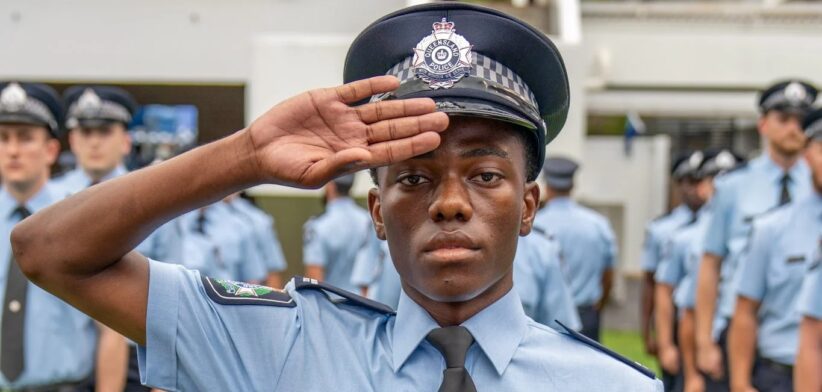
(452, 201)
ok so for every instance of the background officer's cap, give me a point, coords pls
(472, 61)
(689, 166)
(94, 106)
(30, 103)
(345, 181)
(559, 173)
(813, 125)
(716, 162)
(793, 96)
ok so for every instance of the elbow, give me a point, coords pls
(23, 247)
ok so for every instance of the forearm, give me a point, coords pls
(708, 280)
(607, 284)
(112, 361)
(59, 241)
(647, 304)
(687, 344)
(664, 315)
(742, 347)
(807, 376)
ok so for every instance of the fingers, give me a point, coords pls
(404, 127)
(362, 89)
(388, 152)
(386, 110)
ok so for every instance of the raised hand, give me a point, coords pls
(313, 137)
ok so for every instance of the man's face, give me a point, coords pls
(452, 216)
(705, 189)
(689, 189)
(101, 149)
(784, 132)
(26, 153)
(813, 154)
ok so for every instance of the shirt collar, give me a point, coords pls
(340, 202)
(498, 342)
(562, 201)
(775, 172)
(40, 200)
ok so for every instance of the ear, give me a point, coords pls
(760, 124)
(375, 209)
(126, 142)
(53, 150)
(530, 202)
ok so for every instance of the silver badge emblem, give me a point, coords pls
(13, 97)
(89, 102)
(442, 58)
(794, 92)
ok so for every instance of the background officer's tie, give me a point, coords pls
(785, 195)
(453, 344)
(14, 316)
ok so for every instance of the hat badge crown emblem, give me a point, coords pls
(13, 97)
(794, 92)
(443, 57)
(89, 101)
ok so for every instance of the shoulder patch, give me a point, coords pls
(590, 342)
(229, 292)
(301, 283)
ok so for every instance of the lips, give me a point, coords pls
(450, 246)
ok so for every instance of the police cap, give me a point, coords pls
(30, 103)
(94, 106)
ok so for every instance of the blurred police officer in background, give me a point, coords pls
(656, 233)
(332, 240)
(771, 180)
(264, 236)
(764, 332)
(45, 344)
(587, 242)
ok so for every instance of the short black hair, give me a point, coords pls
(525, 139)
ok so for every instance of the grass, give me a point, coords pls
(629, 344)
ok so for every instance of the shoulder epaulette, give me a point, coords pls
(229, 292)
(302, 283)
(590, 342)
(543, 233)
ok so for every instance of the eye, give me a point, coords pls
(487, 178)
(412, 179)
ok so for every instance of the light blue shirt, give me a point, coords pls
(588, 245)
(60, 341)
(76, 180)
(265, 236)
(658, 231)
(195, 343)
(373, 268)
(333, 239)
(810, 299)
(741, 195)
(771, 270)
(681, 259)
(540, 282)
(234, 251)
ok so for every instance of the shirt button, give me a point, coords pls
(14, 306)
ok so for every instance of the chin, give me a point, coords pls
(456, 288)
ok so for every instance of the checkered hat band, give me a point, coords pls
(35, 109)
(107, 110)
(482, 67)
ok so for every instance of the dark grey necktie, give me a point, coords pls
(785, 193)
(453, 344)
(14, 316)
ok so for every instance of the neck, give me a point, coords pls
(24, 191)
(784, 161)
(455, 313)
(98, 175)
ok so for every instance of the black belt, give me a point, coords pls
(74, 386)
(781, 367)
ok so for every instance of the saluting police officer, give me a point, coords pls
(587, 241)
(657, 233)
(453, 196)
(332, 240)
(45, 344)
(773, 179)
(764, 332)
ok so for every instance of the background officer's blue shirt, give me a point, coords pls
(333, 239)
(740, 196)
(76, 180)
(771, 271)
(810, 299)
(265, 235)
(658, 231)
(540, 283)
(60, 341)
(196, 344)
(373, 268)
(588, 245)
(235, 246)
(681, 259)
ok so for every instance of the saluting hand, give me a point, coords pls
(313, 137)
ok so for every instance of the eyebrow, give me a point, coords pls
(472, 153)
